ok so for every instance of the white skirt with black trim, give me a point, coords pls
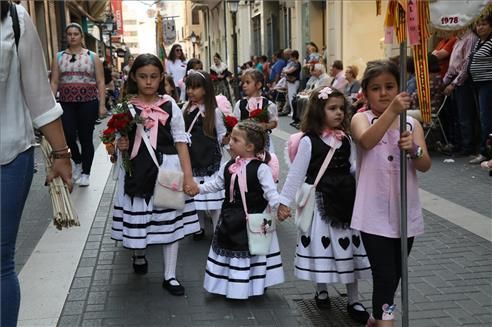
(330, 255)
(240, 278)
(138, 224)
(209, 201)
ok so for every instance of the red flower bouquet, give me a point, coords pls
(259, 115)
(120, 123)
(229, 122)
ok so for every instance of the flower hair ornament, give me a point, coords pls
(325, 92)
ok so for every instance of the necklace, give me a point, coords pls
(74, 54)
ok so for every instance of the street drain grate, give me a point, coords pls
(336, 316)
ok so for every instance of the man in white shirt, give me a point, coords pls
(318, 78)
(336, 71)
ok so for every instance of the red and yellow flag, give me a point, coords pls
(420, 61)
(412, 17)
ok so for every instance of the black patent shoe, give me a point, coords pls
(322, 303)
(198, 236)
(177, 290)
(140, 269)
(359, 316)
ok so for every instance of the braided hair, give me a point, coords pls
(255, 134)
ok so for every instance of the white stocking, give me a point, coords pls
(137, 254)
(322, 287)
(169, 257)
(352, 292)
(214, 214)
(201, 217)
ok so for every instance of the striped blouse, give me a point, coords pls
(481, 61)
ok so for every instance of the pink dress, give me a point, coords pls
(377, 199)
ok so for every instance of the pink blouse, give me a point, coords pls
(377, 199)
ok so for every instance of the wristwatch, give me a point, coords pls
(418, 152)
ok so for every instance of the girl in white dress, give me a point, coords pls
(231, 270)
(136, 221)
(330, 252)
(205, 125)
(254, 103)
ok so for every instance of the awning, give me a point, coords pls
(94, 10)
(200, 4)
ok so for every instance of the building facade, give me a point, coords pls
(347, 30)
(51, 17)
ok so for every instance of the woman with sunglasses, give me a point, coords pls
(77, 75)
(176, 67)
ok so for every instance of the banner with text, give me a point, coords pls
(118, 15)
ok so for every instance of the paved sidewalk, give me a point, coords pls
(450, 268)
(106, 292)
(450, 273)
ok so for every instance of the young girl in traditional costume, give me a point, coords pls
(329, 251)
(136, 221)
(255, 106)
(205, 126)
(231, 269)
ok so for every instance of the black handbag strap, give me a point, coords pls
(15, 24)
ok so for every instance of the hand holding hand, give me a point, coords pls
(191, 189)
(406, 141)
(401, 103)
(283, 212)
(122, 144)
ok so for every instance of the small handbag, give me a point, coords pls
(305, 197)
(260, 228)
(168, 190)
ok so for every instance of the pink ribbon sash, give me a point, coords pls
(336, 133)
(153, 115)
(238, 170)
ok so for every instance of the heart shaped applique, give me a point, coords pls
(325, 241)
(344, 242)
(356, 240)
(305, 240)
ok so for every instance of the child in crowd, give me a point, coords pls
(330, 252)
(256, 106)
(170, 88)
(205, 125)
(136, 222)
(231, 270)
(376, 209)
(191, 65)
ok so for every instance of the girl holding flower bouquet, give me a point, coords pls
(136, 221)
(330, 251)
(205, 126)
(255, 106)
